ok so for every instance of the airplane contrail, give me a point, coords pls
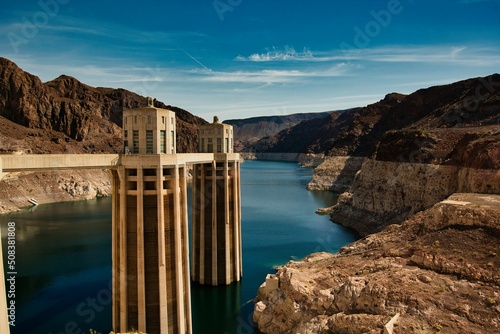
(196, 60)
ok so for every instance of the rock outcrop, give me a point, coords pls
(409, 175)
(48, 187)
(336, 173)
(438, 271)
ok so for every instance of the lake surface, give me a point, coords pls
(63, 254)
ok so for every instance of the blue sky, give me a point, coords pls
(245, 58)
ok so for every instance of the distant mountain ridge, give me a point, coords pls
(65, 109)
(249, 130)
(358, 132)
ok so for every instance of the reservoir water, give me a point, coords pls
(63, 255)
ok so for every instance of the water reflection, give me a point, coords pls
(216, 307)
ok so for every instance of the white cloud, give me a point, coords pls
(467, 55)
(289, 54)
(272, 75)
(459, 55)
(265, 76)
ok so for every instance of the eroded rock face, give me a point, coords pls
(400, 182)
(390, 192)
(49, 187)
(335, 173)
(438, 270)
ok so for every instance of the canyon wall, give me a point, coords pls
(68, 110)
(359, 131)
(335, 173)
(385, 193)
(404, 178)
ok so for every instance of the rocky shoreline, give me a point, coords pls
(428, 206)
(303, 159)
(437, 270)
(50, 187)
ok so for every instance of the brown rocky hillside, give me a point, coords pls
(250, 130)
(64, 110)
(66, 116)
(473, 102)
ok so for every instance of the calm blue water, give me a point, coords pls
(64, 255)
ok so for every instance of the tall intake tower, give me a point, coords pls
(216, 210)
(151, 285)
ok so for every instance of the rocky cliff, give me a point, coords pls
(66, 116)
(405, 153)
(438, 271)
(395, 160)
(336, 173)
(411, 172)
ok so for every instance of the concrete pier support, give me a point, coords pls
(151, 286)
(216, 219)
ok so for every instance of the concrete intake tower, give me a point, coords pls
(216, 254)
(150, 246)
(151, 277)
